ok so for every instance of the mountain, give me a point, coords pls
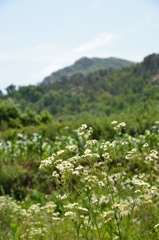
(87, 65)
(129, 93)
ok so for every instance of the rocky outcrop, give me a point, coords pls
(149, 66)
(151, 61)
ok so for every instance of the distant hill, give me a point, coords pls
(105, 90)
(87, 65)
(130, 92)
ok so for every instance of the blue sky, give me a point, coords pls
(38, 37)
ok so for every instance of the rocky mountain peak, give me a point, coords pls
(152, 61)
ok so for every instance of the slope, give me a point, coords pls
(87, 65)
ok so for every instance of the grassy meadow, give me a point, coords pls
(78, 187)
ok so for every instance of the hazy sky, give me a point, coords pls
(38, 37)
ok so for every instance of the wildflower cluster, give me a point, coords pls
(102, 190)
(118, 126)
(100, 202)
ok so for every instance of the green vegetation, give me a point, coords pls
(125, 93)
(97, 182)
(98, 189)
(87, 65)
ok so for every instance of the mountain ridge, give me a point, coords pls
(87, 65)
(133, 91)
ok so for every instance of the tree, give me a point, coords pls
(10, 89)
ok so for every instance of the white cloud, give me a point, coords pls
(96, 42)
(47, 71)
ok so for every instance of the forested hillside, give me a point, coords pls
(87, 65)
(129, 91)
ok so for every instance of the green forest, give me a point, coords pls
(129, 93)
(79, 154)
